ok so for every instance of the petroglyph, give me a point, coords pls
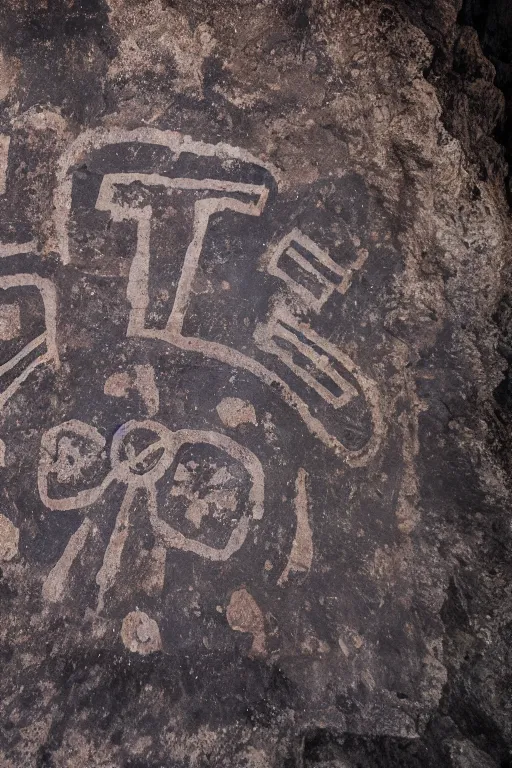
(138, 281)
(296, 260)
(48, 338)
(301, 555)
(244, 615)
(233, 412)
(172, 538)
(4, 158)
(146, 386)
(15, 249)
(228, 460)
(9, 539)
(2, 453)
(69, 449)
(140, 633)
(284, 327)
(95, 139)
(59, 458)
(106, 576)
(321, 364)
(118, 385)
(55, 583)
(218, 496)
(223, 195)
(141, 379)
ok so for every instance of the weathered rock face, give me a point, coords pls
(253, 486)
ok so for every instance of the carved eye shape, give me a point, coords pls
(205, 501)
(140, 449)
(72, 465)
(146, 461)
(143, 449)
(207, 484)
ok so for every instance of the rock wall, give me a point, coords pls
(254, 405)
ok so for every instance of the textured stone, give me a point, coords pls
(254, 490)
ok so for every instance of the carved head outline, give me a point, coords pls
(141, 454)
(282, 348)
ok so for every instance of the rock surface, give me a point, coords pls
(254, 405)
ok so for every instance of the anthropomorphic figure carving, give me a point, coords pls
(196, 399)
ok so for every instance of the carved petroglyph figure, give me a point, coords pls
(308, 270)
(4, 156)
(140, 633)
(9, 312)
(284, 351)
(47, 338)
(233, 412)
(321, 355)
(320, 276)
(312, 277)
(301, 555)
(142, 452)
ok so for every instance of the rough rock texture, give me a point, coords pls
(255, 410)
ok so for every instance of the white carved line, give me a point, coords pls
(106, 193)
(139, 272)
(4, 160)
(88, 141)
(55, 583)
(111, 565)
(15, 385)
(167, 537)
(137, 291)
(49, 296)
(301, 555)
(27, 349)
(15, 249)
